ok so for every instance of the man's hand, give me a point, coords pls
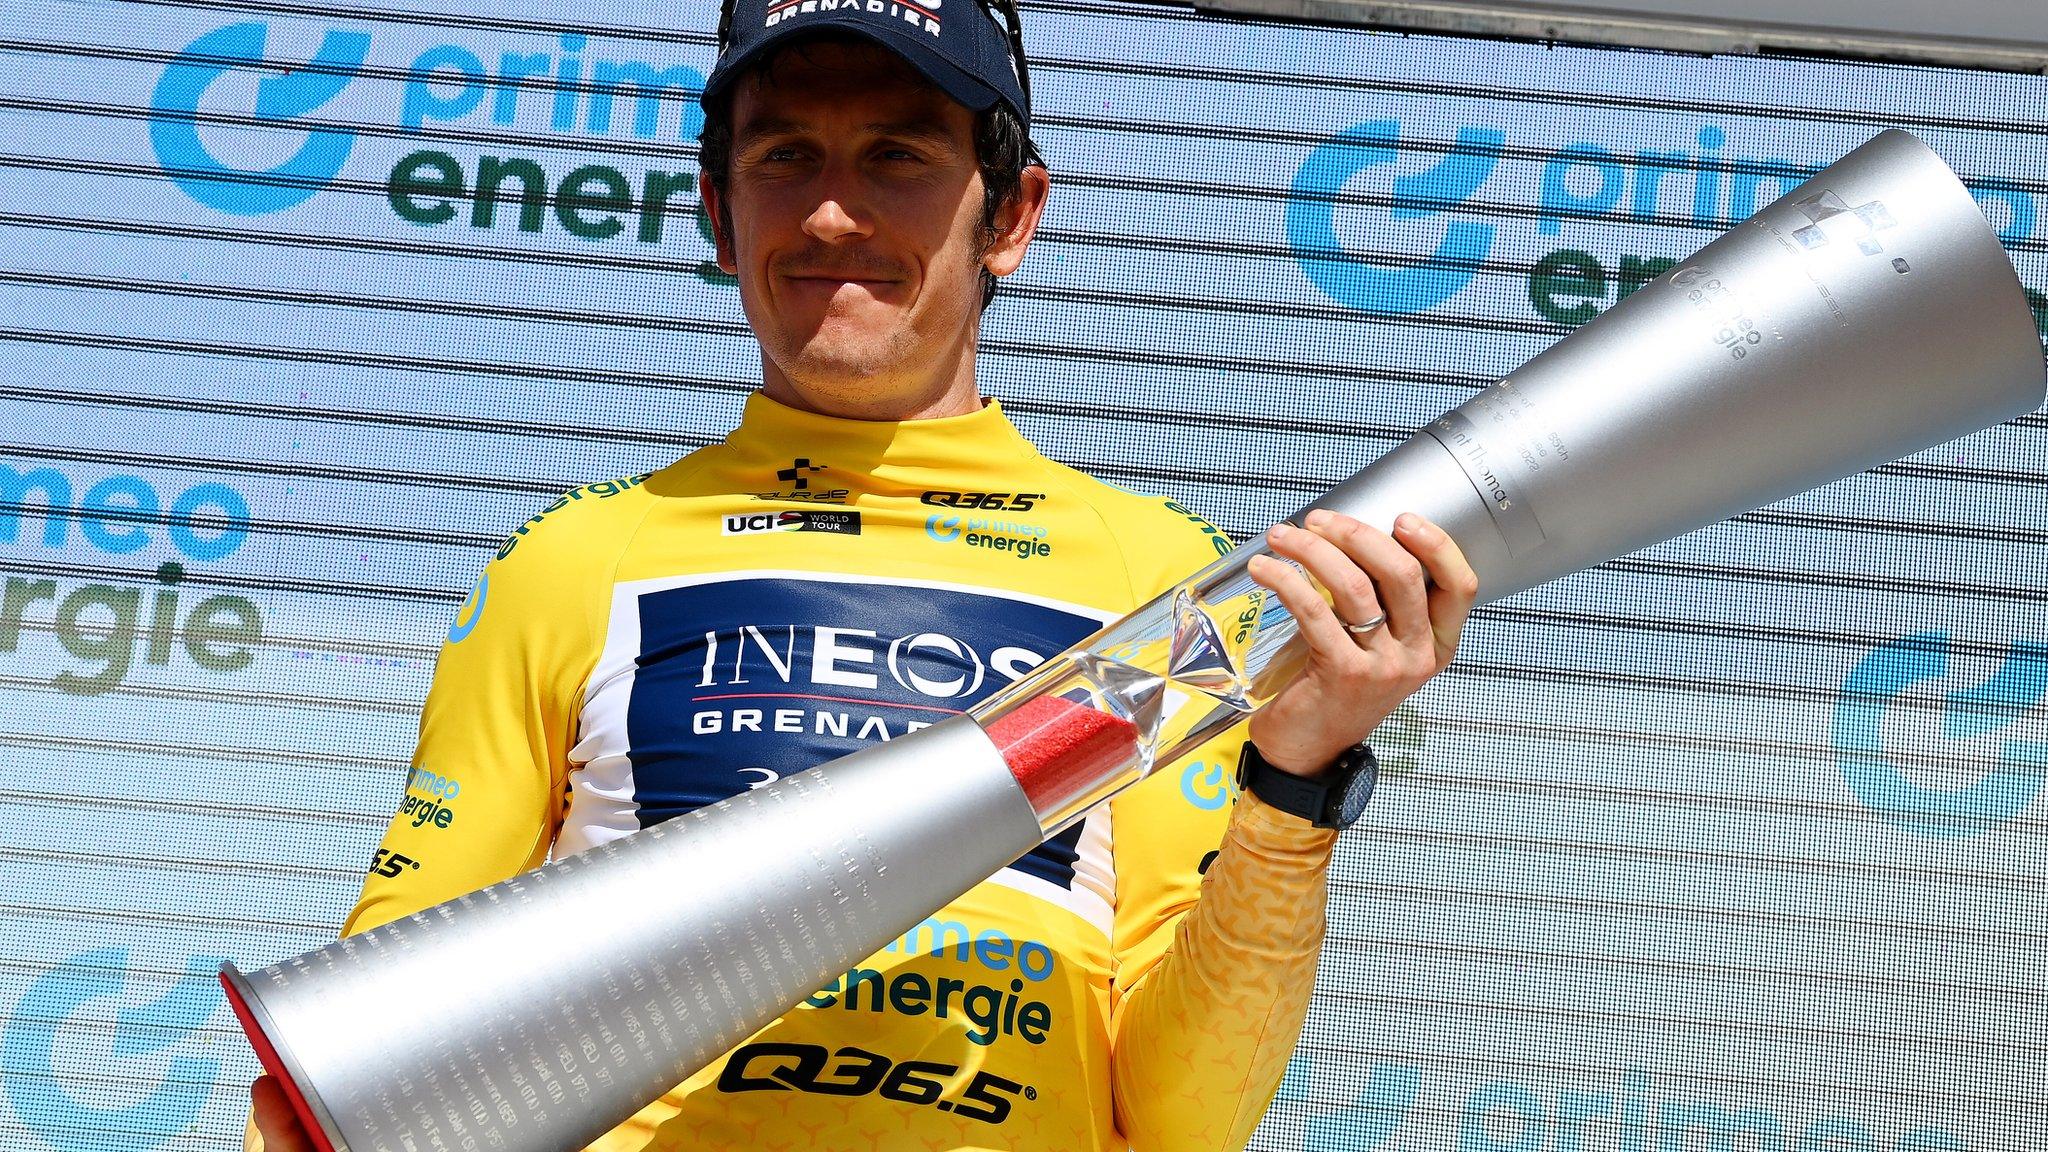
(273, 1120)
(1352, 681)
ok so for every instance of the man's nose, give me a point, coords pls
(832, 221)
(839, 213)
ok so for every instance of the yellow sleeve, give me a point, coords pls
(483, 793)
(1202, 1033)
(1218, 923)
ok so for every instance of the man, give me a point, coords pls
(872, 548)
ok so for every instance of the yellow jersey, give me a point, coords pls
(649, 645)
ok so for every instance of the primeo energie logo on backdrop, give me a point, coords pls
(1621, 1110)
(49, 1076)
(105, 629)
(1655, 180)
(556, 89)
(1992, 710)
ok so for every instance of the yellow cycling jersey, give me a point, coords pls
(653, 644)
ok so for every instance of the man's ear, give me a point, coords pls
(715, 215)
(1017, 221)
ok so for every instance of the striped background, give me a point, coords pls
(1623, 894)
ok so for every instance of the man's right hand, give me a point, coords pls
(272, 1120)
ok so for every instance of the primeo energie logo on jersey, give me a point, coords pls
(225, 96)
(106, 626)
(1024, 541)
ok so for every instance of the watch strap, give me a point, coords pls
(1335, 798)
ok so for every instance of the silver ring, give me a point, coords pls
(1369, 625)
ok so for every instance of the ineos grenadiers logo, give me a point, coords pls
(1999, 794)
(1312, 217)
(42, 1053)
(293, 92)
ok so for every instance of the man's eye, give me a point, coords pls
(779, 153)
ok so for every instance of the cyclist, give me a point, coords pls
(875, 546)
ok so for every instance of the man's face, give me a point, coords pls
(856, 205)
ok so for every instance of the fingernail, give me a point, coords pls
(1282, 529)
(1408, 522)
(1318, 518)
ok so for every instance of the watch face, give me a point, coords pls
(1358, 790)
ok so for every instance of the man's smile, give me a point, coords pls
(833, 287)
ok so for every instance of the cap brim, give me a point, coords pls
(911, 45)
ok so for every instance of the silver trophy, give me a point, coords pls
(1867, 314)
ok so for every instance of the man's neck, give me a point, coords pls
(953, 395)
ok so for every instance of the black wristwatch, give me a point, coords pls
(1334, 799)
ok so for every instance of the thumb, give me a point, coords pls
(273, 1115)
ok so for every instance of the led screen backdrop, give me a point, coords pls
(1735, 844)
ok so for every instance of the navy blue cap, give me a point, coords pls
(964, 50)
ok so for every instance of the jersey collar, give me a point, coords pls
(939, 451)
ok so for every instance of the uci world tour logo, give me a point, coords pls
(43, 1052)
(292, 92)
(1996, 704)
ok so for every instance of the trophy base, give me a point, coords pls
(249, 1010)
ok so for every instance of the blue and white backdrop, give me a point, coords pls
(1733, 845)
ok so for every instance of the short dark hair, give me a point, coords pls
(1002, 145)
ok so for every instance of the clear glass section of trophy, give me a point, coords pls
(1146, 690)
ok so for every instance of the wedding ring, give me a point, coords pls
(1369, 625)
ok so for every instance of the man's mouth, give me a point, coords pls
(839, 278)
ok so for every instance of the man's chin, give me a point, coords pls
(841, 364)
(863, 334)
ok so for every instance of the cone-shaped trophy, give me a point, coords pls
(1868, 314)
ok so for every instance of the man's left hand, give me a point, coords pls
(1354, 680)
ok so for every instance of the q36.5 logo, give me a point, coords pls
(51, 1008)
(850, 1071)
(1320, 183)
(292, 92)
(2001, 701)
